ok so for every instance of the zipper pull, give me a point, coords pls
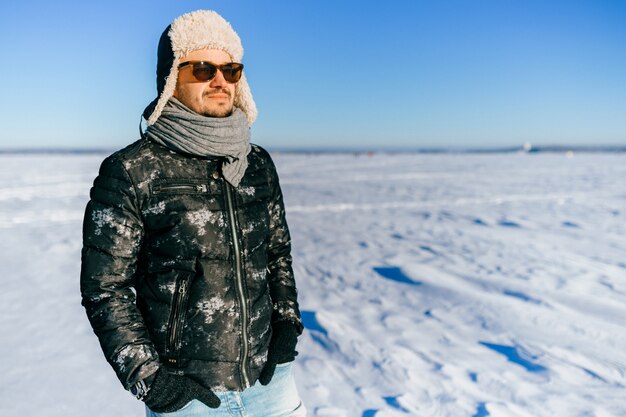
(201, 187)
(181, 289)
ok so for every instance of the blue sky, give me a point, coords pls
(330, 73)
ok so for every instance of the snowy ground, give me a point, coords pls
(431, 285)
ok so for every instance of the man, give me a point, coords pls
(186, 268)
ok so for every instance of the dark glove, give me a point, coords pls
(282, 349)
(170, 393)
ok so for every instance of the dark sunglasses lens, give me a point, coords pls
(204, 71)
(232, 72)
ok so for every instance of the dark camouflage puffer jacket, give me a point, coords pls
(181, 269)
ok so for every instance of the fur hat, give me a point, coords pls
(196, 30)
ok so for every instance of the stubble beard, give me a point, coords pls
(205, 105)
(225, 112)
(219, 109)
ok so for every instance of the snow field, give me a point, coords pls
(430, 285)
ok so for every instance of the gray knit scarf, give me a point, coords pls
(181, 129)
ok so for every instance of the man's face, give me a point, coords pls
(212, 98)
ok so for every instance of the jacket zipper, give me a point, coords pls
(242, 299)
(183, 187)
(177, 310)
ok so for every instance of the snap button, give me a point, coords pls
(215, 174)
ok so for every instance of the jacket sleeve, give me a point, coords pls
(112, 237)
(280, 273)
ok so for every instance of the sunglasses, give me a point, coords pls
(206, 71)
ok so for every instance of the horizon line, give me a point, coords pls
(527, 148)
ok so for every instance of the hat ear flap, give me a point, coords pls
(244, 100)
(165, 56)
(150, 108)
(168, 92)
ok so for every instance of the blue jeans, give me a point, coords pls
(279, 398)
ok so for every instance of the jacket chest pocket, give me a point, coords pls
(184, 186)
(180, 189)
(180, 205)
(169, 195)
